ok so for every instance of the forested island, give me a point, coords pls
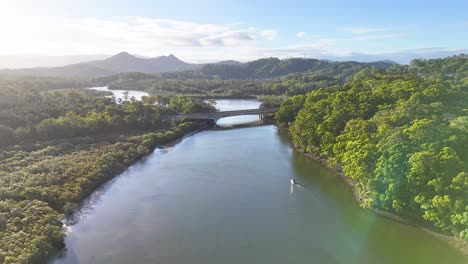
(398, 131)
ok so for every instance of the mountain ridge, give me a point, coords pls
(121, 62)
(126, 62)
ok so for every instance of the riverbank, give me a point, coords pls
(457, 243)
(56, 177)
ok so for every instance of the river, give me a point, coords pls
(225, 196)
(236, 104)
(120, 94)
(221, 105)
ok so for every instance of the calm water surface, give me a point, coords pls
(119, 94)
(237, 104)
(225, 197)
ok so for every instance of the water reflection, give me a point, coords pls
(237, 104)
(122, 94)
(223, 197)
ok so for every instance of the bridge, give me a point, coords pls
(220, 114)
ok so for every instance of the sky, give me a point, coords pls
(206, 31)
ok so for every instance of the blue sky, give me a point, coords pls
(207, 30)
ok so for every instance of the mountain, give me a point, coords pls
(257, 69)
(122, 62)
(230, 62)
(402, 57)
(388, 61)
(31, 61)
(274, 67)
(70, 71)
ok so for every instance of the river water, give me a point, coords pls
(236, 104)
(225, 196)
(120, 94)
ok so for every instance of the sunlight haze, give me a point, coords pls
(196, 32)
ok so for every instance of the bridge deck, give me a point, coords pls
(221, 114)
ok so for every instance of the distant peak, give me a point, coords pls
(230, 62)
(123, 54)
(172, 56)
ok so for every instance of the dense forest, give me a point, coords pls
(400, 134)
(28, 114)
(274, 67)
(12, 85)
(261, 77)
(269, 76)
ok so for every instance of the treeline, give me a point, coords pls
(270, 76)
(215, 88)
(23, 110)
(451, 68)
(400, 135)
(273, 67)
(30, 115)
(11, 85)
(191, 87)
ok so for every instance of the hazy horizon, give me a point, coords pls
(33, 61)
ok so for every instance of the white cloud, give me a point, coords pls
(193, 42)
(317, 49)
(301, 34)
(369, 34)
(139, 35)
(165, 32)
(376, 37)
(362, 30)
(269, 34)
